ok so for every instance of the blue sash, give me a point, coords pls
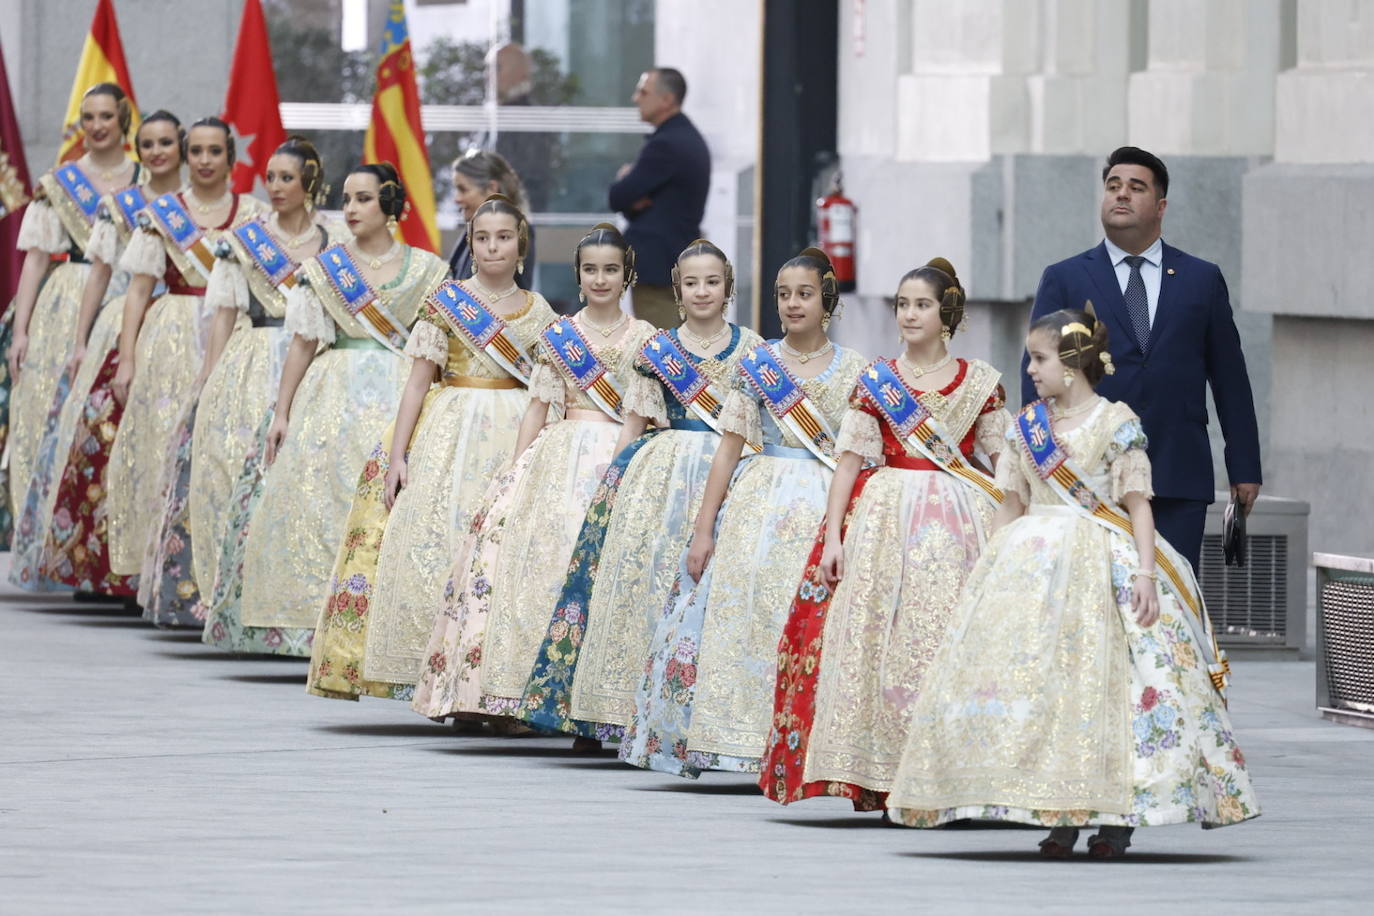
(917, 428)
(266, 255)
(581, 364)
(129, 202)
(360, 300)
(1054, 466)
(189, 249)
(679, 374)
(484, 330)
(787, 402)
(79, 190)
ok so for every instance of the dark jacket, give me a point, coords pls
(1193, 344)
(673, 170)
(460, 262)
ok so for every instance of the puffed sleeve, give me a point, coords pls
(1011, 476)
(42, 230)
(644, 396)
(990, 429)
(545, 383)
(740, 414)
(103, 245)
(227, 287)
(860, 430)
(1130, 465)
(428, 341)
(305, 315)
(144, 254)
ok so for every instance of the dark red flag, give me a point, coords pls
(251, 106)
(14, 191)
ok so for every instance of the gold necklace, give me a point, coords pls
(705, 343)
(107, 175)
(203, 208)
(299, 240)
(376, 263)
(494, 297)
(919, 371)
(607, 331)
(801, 357)
(1063, 413)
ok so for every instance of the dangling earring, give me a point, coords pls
(681, 312)
(391, 224)
(945, 334)
(725, 308)
(1069, 376)
(309, 205)
(520, 266)
(581, 296)
(474, 267)
(825, 324)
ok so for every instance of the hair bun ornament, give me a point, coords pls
(1107, 365)
(944, 265)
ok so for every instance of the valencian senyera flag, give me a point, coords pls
(102, 61)
(394, 134)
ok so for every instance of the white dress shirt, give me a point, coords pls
(1151, 270)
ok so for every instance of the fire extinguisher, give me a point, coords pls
(835, 216)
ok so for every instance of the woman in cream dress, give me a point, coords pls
(705, 699)
(245, 304)
(513, 561)
(76, 552)
(161, 340)
(47, 303)
(358, 299)
(1081, 685)
(420, 486)
(884, 575)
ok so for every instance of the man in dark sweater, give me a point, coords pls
(663, 192)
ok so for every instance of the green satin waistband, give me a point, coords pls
(357, 343)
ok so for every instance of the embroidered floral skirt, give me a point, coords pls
(167, 587)
(1050, 705)
(35, 511)
(6, 512)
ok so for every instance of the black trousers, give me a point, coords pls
(1180, 522)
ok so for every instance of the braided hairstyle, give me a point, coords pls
(312, 166)
(122, 105)
(391, 194)
(163, 114)
(1082, 341)
(702, 246)
(212, 121)
(500, 203)
(949, 292)
(606, 234)
(819, 261)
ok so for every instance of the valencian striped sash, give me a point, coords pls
(174, 223)
(786, 400)
(577, 359)
(693, 390)
(361, 300)
(482, 329)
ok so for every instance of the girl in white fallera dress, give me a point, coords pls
(1080, 684)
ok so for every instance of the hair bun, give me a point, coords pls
(944, 265)
(814, 252)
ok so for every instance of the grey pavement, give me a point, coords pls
(141, 772)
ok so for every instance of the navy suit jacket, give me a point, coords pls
(673, 170)
(1193, 343)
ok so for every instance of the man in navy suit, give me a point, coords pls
(1171, 335)
(662, 193)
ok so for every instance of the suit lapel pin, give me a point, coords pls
(1170, 271)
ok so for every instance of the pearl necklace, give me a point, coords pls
(801, 357)
(705, 343)
(107, 175)
(203, 208)
(489, 295)
(919, 371)
(1063, 413)
(608, 330)
(299, 240)
(375, 263)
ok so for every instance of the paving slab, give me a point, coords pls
(141, 772)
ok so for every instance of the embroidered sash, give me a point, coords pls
(74, 199)
(1054, 466)
(270, 271)
(356, 296)
(189, 247)
(917, 428)
(576, 357)
(787, 401)
(690, 386)
(482, 329)
(128, 202)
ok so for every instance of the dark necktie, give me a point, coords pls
(1137, 302)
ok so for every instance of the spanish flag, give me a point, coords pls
(394, 134)
(102, 61)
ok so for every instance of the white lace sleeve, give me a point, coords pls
(144, 255)
(227, 287)
(859, 433)
(644, 398)
(990, 431)
(103, 245)
(546, 385)
(1011, 477)
(740, 415)
(305, 315)
(428, 341)
(42, 230)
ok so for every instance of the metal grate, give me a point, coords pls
(1347, 621)
(1247, 604)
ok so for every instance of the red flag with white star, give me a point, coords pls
(252, 107)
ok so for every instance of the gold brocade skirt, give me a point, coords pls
(167, 360)
(52, 327)
(400, 561)
(345, 400)
(240, 390)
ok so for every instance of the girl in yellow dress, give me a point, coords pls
(420, 486)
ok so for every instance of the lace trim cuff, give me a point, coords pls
(42, 229)
(1131, 473)
(305, 315)
(740, 415)
(990, 431)
(546, 386)
(227, 288)
(644, 397)
(144, 255)
(860, 433)
(1011, 479)
(428, 341)
(103, 244)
